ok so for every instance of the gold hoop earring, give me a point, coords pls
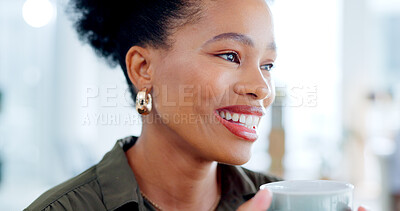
(143, 102)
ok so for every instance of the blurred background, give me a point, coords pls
(336, 116)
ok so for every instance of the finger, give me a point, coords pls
(361, 208)
(260, 202)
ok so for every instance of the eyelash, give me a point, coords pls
(269, 67)
(235, 58)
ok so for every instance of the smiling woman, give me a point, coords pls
(185, 58)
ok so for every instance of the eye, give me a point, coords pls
(231, 56)
(267, 67)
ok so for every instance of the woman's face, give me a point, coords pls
(218, 64)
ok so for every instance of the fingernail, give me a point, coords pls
(261, 196)
(269, 192)
(367, 208)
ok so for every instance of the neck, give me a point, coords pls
(170, 173)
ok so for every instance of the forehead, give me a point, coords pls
(251, 18)
(248, 17)
(237, 12)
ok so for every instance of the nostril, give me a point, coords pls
(252, 94)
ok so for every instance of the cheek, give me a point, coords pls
(212, 91)
(183, 87)
(196, 86)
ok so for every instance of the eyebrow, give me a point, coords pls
(244, 39)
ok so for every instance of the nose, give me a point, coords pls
(254, 85)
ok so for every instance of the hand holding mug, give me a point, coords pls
(303, 195)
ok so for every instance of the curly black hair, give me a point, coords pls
(112, 27)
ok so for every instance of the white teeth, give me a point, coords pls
(242, 118)
(235, 117)
(256, 120)
(248, 121)
(222, 114)
(228, 116)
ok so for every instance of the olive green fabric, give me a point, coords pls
(111, 185)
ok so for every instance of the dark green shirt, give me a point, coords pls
(111, 185)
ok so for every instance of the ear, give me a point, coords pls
(138, 67)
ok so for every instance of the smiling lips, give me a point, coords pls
(241, 120)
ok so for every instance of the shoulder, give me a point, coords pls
(77, 193)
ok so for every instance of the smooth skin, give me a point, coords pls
(175, 157)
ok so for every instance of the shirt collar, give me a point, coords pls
(116, 178)
(119, 186)
(236, 183)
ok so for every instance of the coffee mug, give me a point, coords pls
(310, 195)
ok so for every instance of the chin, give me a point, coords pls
(236, 162)
(236, 157)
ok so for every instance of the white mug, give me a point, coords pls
(310, 195)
